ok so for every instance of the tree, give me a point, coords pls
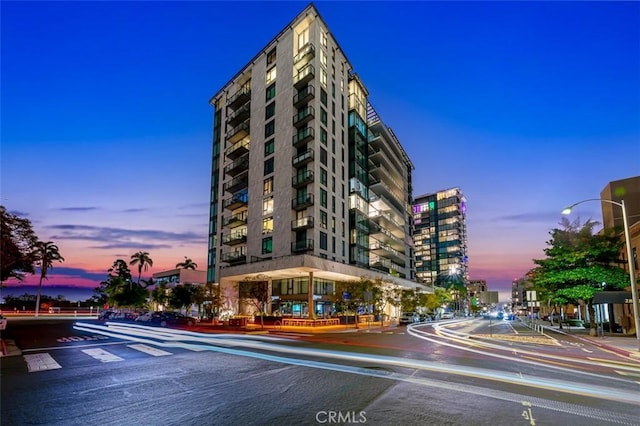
(255, 293)
(183, 296)
(17, 246)
(579, 264)
(159, 293)
(45, 253)
(187, 264)
(143, 261)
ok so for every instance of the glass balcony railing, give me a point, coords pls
(303, 116)
(306, 52)
(303, 136)
(302, 159)
(302, 178)
(238, 149)
(303, 96)
(239, 98)
(302, 202)
(304, 245)
(305, 75)
(303, 223)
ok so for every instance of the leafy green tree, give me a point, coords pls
(183, 296)
(256, 294)
(45, 253)
(159, 294)
(18, 241)
(187, 264)
(143, 261)
(578, 264)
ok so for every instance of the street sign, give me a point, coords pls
(346, 295)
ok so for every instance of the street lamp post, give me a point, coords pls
(632, 275)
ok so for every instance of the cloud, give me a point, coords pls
(538, 217)
(126, 238)
(77, 272)
(139, 210)
(18, 213)
(134, 245)
(78, 209)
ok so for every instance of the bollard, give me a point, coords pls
(75, 313)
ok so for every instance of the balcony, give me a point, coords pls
(239, 98)
(235, 238)
(303, 116)
(235, 220)
(239, 115)
(302, 159)
(300, 224)
(238, 132)
(236, 150)
(303, 96)
(234, 257)
(307, 52)
(302, 202)
(303, 136)
(237, 167)
(302, 178)
(236, 184)
(300, 246)
(305, 75)
(236, 201)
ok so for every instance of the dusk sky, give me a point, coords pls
(106, 128)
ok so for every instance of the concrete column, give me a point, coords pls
(310, 301)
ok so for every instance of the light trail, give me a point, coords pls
(176, 339)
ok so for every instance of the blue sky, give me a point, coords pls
(106, 127)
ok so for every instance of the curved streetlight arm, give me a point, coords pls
(632, 274)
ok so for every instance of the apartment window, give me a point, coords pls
(323, 198)
(323, 156)
(267, 186)
(333, 184)
(271, 57)
(333, 164)
(333, 90)
(323, 58)
(323, 241)
(333, 108)
(267, 245)
(268, 166)
(323, 97)
(323, 176)
(271, 92)
(323, 39)
(270, 111)
(333, 224)
(267, 225)
(267, 206)
(323, 219)
(271, 75)
(269, 128)
(323, 136)
(323, 77)
(269, 147)
(333, 203)
(323, 116)
(303, 37)
(333, 244)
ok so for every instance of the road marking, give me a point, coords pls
(102, 355)
(40, 362)
(149, 350)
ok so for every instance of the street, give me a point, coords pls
(448, 373)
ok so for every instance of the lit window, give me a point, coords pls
(267, 225)
(267, 187)
(271, 75)
(303, 37)
(267, 206)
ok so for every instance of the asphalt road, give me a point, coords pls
(422, 375)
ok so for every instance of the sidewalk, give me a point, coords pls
(615, 342)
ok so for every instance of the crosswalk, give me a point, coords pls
(44, 361)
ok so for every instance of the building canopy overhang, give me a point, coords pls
(303, 265)
(615, 297)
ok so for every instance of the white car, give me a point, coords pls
(3, 322)
(446, 315)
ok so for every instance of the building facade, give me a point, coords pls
(309, 186)
(440, 238)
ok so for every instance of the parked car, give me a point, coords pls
(425, 317)
(3, 322)
(446, 315)
(409, 318)
(166, 318)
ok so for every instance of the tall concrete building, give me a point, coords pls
(308, 184)
(440, 237)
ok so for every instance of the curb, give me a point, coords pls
(9, 348)
(594, 342)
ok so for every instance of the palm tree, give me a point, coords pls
(45, 253)
(187, 264)
(143, 261)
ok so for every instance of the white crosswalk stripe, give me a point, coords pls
(102, 355)
(149, 350)
(40, 362)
